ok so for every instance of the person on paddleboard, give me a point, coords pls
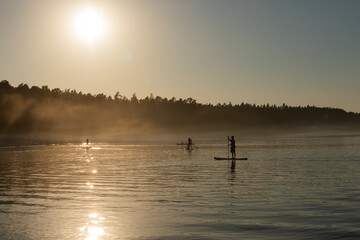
(87, 141)
(189, 144)
(232, 146)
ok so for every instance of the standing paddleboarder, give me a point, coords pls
(189, 145)
(232, 146)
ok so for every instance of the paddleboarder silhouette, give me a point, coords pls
(189, 144)
(232, 146)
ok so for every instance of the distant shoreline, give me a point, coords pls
(55, 115)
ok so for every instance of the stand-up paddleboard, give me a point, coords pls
(85, 146)
(188, 148)
(226, 158)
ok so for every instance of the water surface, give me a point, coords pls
(290, 188)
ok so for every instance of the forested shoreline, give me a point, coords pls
(27, 110)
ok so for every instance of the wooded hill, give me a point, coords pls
(42, 110)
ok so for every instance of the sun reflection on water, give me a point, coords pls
(92, 230)
(94, 233)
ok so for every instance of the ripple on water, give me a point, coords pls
(286, 190)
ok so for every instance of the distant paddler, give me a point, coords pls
(87, 141)
(232, 146)
(189, 145)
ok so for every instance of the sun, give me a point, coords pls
(89, 25)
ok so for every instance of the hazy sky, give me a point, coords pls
(270, 51)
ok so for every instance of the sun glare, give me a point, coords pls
(89, 25)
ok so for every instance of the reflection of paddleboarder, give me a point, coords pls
(232, 146)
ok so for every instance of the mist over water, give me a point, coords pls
(290, 188)
(54, 116)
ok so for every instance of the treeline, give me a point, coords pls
(27, 109)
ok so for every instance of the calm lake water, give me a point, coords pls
(290, 188)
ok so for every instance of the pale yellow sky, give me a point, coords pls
(213, 51)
